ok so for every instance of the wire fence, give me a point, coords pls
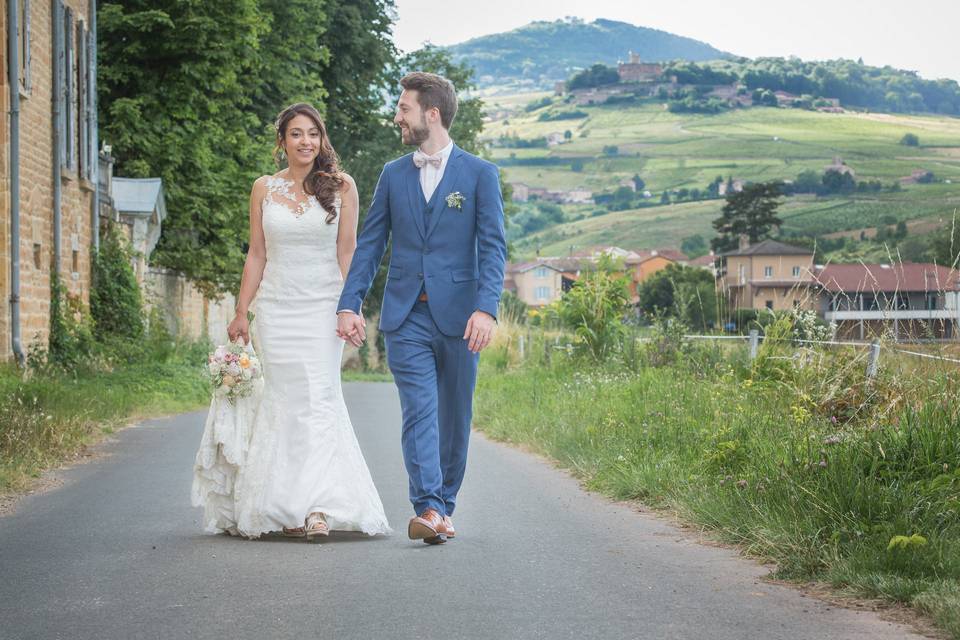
(754, 338)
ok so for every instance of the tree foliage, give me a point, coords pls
(115, 301)
(686, 293)
(751, 212)
(596, 76)
(595, 307)
(174, 95)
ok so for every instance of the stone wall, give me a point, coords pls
(36, 191)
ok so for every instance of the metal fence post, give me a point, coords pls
(754, 343)
(873, 360)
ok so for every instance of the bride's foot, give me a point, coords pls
(294, 532)
(316, 525)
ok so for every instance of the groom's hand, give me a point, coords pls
(479, 331)
(350, 327)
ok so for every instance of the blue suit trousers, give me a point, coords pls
(435, 375)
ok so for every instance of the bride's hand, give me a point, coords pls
(350, 327)
(239, 326)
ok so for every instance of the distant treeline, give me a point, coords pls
(852, 82)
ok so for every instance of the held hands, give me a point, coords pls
(351, 327)
(239, 326)
(479, 331)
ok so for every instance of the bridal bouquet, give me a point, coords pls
(232, 369)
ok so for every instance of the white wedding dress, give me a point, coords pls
(301, 454)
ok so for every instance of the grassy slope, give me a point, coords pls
(672, 151)
(760, 461)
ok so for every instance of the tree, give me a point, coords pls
(838, 181)
(596, 76)
(362, 69)
(694, 246)
(567, 135)
(174, 106)
(638, 183)
(686, 293)
(945, 249)
(751, 212)
(809, 181)
(910, 140)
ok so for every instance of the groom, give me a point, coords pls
(444, 209)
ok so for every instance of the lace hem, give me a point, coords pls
(223, 450)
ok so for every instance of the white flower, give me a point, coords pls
(455, 200)
(220, 353)
(233, 369)
(213, 368)
(245, 374)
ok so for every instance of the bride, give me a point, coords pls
(303, 473)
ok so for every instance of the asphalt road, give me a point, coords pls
(117, 552)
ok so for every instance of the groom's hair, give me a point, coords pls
(433, 91)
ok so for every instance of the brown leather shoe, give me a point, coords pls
(429, 527)
(448, 523)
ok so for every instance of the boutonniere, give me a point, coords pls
(455, 201)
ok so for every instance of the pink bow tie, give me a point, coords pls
(421, 159)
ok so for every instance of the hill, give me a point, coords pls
(678, 154)
(543, 53)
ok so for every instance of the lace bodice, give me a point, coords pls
(301, 245)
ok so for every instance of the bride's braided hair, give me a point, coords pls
(324, 180)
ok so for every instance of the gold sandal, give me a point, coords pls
(295, 532)
(316, 525)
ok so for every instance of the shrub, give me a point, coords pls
(910, 140)
(115, 302)
(594, 308)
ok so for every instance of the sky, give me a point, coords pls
(923, 35)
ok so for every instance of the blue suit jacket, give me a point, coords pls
(458, 258)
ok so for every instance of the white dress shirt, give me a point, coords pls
(431, 176)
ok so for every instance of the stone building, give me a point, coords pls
(636, 71)
(48, 164)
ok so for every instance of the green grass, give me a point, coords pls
(667, 225)
(756, 458)
(48, 418)
(672, 151)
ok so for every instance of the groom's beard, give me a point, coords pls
(415, 136)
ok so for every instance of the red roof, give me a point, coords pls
(669, 254)
(704, 261)
(908, 276)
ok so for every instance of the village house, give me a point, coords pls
(917, 176)
(539, 282)
(49, 205)
(520, 192)
(555, 138)
(911, 300)
(908, 300)
(578, 196)
(768, 275)
(840, 166)
(724, 187)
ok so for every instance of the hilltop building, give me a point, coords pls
(636, 71)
